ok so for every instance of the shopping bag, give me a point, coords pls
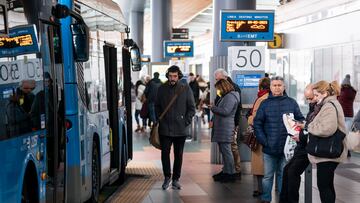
(289, 148)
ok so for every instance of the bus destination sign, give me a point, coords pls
(179, 48)
(21, 40)
(243, 25)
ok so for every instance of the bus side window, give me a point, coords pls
(18, 108)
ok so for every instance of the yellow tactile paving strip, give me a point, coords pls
(142, 176)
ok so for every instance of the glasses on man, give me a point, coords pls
(309, 98)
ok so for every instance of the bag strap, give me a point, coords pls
(171, 102)
(335, 109)
(337, 115)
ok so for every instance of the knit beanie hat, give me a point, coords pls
(346, 80)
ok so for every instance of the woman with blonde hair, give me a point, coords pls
(257, 163)
(325, 124)
(222, 133)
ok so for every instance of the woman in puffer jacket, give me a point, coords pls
(326, 122)
(222, 133)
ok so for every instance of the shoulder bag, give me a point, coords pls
(250, 138)
(154, 138)
(326, 147)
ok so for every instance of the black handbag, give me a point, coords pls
(326, 147)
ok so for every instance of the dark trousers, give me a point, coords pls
(325, 181)
(292, 178)
(166, 143)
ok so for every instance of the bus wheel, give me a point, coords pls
(95, 174)
(29, 192)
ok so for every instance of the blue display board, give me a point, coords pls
(247, 25)
(179, 48)
(247, 80)
(21, 40)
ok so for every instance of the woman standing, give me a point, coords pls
(139, 91)
(222, 133)
(257, 164)
(326, 122)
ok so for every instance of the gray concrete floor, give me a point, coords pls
(198, 185)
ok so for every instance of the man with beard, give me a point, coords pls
(172, 127)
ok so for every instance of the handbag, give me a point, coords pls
(326, 147)
(144, 111)
(154, 138)
(250, 138)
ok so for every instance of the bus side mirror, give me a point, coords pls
(80, 36)
(3, 15)
(135, 58)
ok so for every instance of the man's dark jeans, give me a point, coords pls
(166, 143)
(292, 177)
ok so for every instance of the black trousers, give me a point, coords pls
(292, 178)
(166, 143)
(325, 181)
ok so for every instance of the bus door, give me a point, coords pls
(110, 55)
(55, 113)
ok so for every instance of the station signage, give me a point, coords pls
(247, 25)
(180, 33)
(21, 40)
(179, 48)
(246, 58)
(247, 80)
(278, 41)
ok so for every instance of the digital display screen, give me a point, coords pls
(247, 80)
(21, 40)
(18, 41)
(247, 25)
(178, 48)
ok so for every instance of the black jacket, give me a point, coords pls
(151, 89)
(180, 113)
(303, 138)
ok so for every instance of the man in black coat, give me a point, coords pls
(150, 93)
(172, 127)
(299, 162)
(194, 85)
(222, 74)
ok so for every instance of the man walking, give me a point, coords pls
(222, 74)
(172, 128)
(271, 133)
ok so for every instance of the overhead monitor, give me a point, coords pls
(21, 40)
(247, 25)
(179, 48)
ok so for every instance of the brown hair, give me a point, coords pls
(323, 86)
(224, 86)
(264, 83)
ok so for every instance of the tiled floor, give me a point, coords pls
(198, 185)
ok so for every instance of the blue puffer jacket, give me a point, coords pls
(268, 123)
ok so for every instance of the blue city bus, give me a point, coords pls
(65, 127)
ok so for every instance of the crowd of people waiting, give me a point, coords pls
(330, 112)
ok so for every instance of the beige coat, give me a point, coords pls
(325, 124)
(257, 162)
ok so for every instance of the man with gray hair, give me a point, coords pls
(271, 133)
(222, 74)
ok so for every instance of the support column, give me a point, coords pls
(137, 28)
(161, 17)
(137, 34)
(220, 53)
